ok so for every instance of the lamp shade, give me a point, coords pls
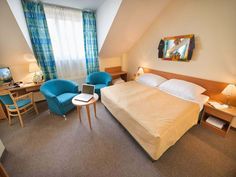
(140, 71)
(230, 90)
(33, 67)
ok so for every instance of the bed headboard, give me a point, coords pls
(213, 88)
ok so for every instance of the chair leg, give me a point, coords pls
(9, 120)
(3, 172)
(9, 117)
(20, 118)
(64, 116)
(35, 108)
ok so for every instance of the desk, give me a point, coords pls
(116, 72)
(26, 88)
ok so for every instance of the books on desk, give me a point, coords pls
(215, 122)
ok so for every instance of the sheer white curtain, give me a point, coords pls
(66, 33)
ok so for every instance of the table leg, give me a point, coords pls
(79, 112)
(95, 110)
(88, 113)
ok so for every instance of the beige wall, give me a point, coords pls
(14, 49)
(213, 23)
(109, 62)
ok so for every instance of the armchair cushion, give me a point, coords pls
(65, 98)
(20, 103)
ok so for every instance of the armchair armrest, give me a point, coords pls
(108, 82)
(48, 94)
(88, 80)
(50, 97)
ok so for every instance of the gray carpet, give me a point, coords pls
(49, 146)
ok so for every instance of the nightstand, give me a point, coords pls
(225, 115)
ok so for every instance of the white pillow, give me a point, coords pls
(181, 88)
(149, 79)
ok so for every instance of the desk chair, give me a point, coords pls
(17, 106)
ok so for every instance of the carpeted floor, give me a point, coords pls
(49, 146)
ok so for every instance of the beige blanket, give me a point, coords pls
(154, 118)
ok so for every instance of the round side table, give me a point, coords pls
(79, 105)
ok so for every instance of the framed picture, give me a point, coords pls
(177, 48)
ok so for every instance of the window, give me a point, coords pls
(66, 32)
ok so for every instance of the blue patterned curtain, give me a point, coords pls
(40, 39)
(90, 42)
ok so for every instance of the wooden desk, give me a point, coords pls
(116, 72)
(26, 88)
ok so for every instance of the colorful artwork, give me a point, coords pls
(178, 48)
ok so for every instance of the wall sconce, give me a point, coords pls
(140, 71)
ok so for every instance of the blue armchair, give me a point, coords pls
(59, 94)
(100, 80)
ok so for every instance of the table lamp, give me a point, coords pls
(229, 91)
(34, 68)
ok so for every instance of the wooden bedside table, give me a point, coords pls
(226, 115)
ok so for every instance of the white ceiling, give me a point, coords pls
(79, 4)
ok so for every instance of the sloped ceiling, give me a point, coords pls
(132, 20)
(13, 45)
(105, 15)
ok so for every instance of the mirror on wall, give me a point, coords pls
(177, 48)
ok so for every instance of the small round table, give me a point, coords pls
(79, 105)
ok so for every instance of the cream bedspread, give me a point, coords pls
(154, 118)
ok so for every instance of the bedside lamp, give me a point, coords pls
(140, 71)
(34, 68)
(230, 90)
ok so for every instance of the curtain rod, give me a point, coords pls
(61, 6)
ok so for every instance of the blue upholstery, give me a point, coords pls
(6, 99)
(59, 94)
(65, 98)
(100, 80)
(20, 103)
(98, 87)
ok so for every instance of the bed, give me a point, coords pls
(156, 120)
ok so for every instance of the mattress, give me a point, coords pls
(154, 118)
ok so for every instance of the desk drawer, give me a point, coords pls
(32, 89)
